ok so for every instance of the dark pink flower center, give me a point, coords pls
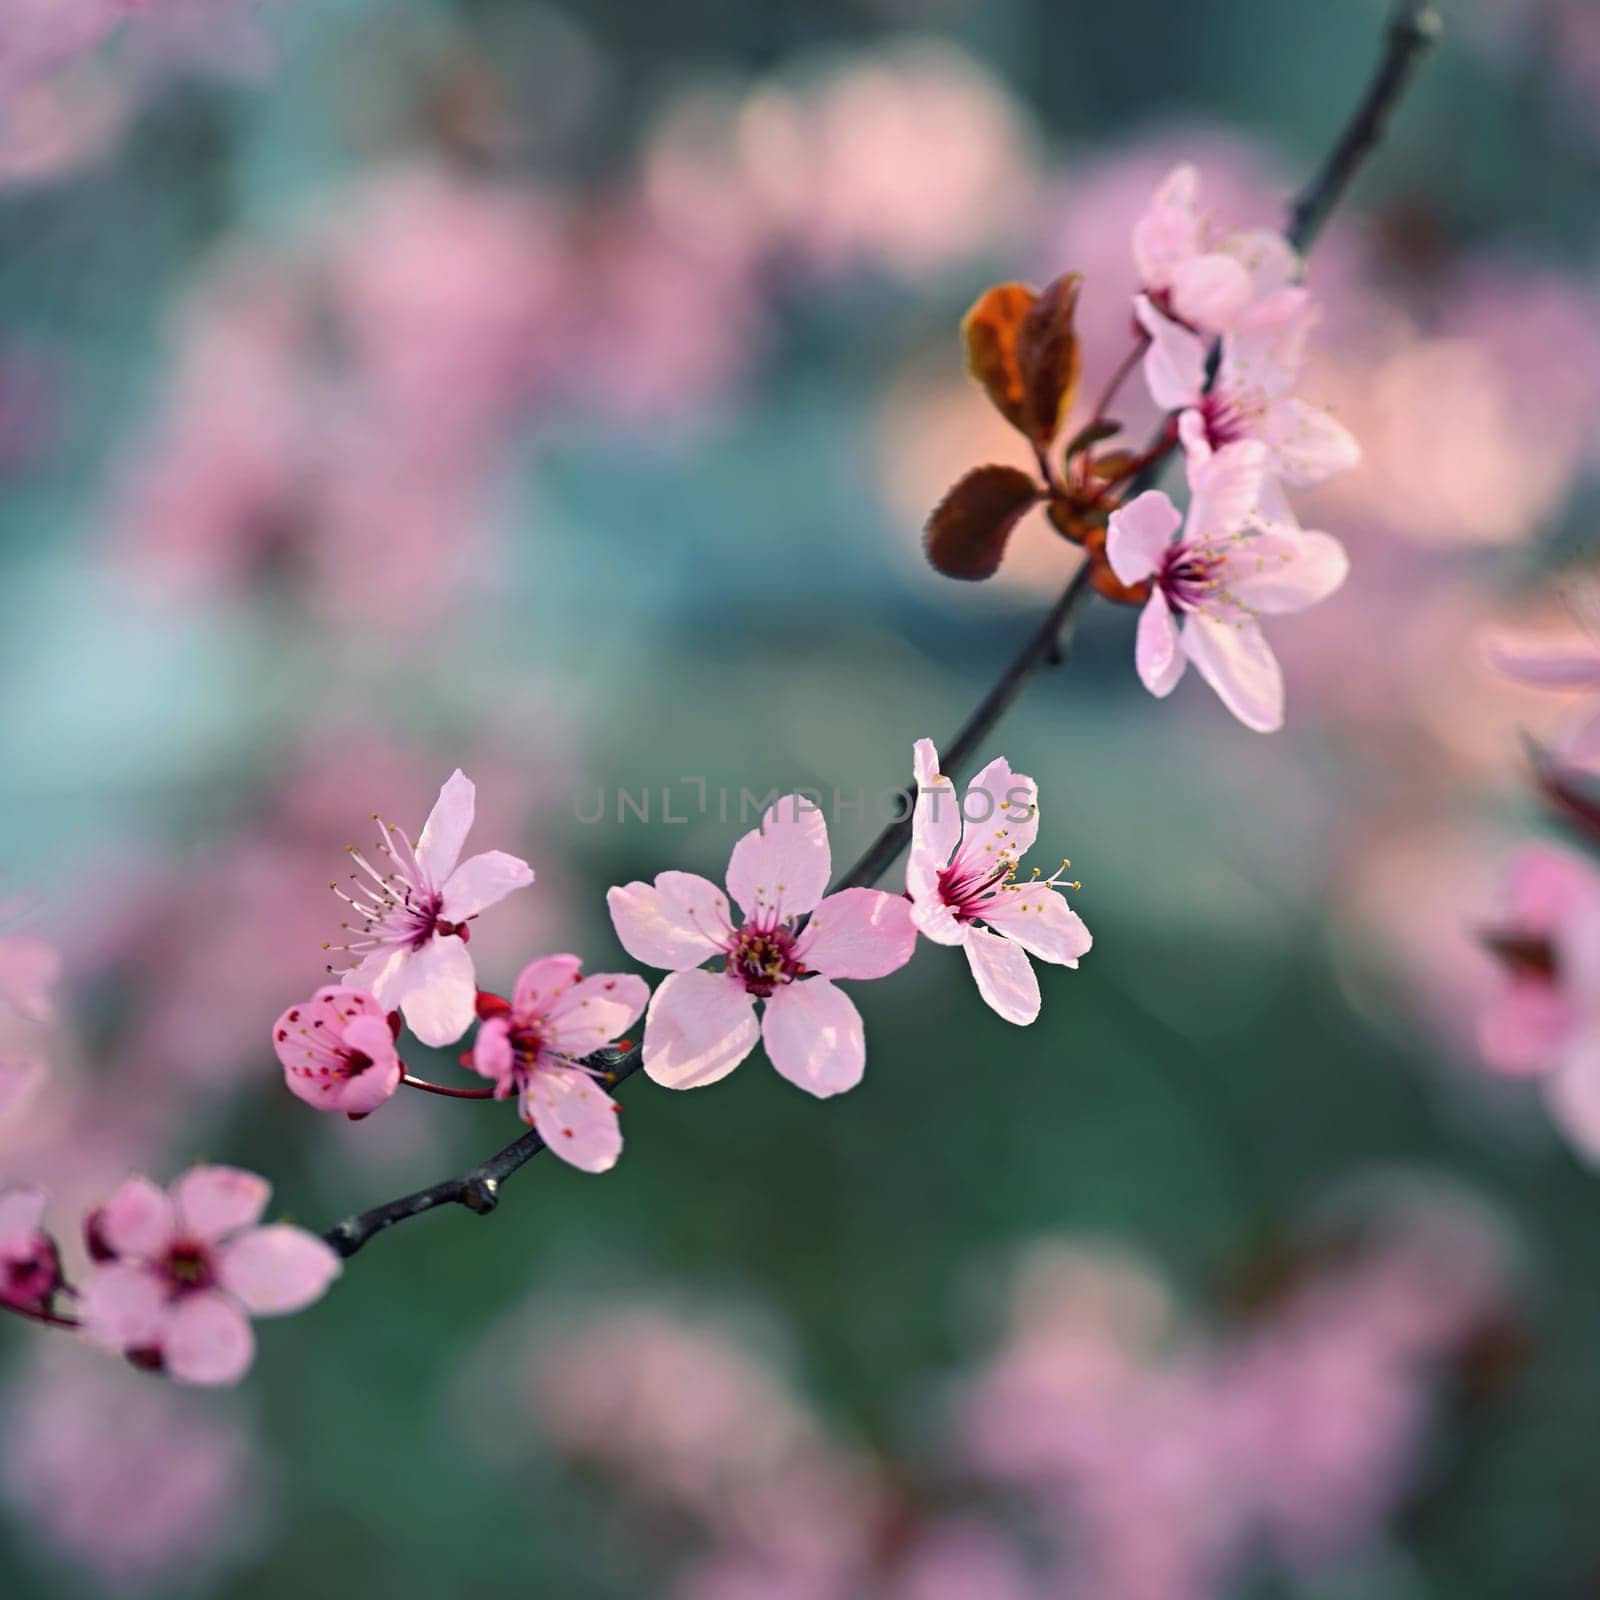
(188, 1267)
(30, 1280)
(1188, 574)
(967, 889)
(763, 959)
(1225, 422)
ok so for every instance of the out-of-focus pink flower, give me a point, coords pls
(30, 1268)
(338, 1051)
(533, 1048)
(136, 1487)
(1219, 578)
(1545, 664)
(184, 1270)
(961, 877)
(29, 969)
(411, 943)
(701, 1025)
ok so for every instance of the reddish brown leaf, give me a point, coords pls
(990, 332)
(1049, 359)
(966, 535)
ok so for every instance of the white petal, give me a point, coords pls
(814, 1037)
(699, 1027)
(1236, 660)
(482, 881)
(435, 989)
(1005, 976)
(445, 831)
(1138, 535)
(1276, 573)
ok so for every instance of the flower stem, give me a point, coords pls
(410, 1082)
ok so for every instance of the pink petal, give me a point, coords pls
(491, 1053)
(935, 822)
(138, 1220)
(1175, 362)
(1282, 572)
(575, 1117)
(21, 1212)
(123, 1307)
(364, 1093)
(1236, 660)
(1580, 744)
(1168, 232)
(699, 1027)
(482, 881)
(207, 1340)
(1210, 291)
(858, 933)
(1308, 446)
(1001, 812)
(1155, 652)
(599, 1009)
(814, 1037)
(1138, 535)
(436, 990)
(213, 1202)
(1041, 921)
(445, 831)
(781, 868)
(1524, 1030)
(1267, 257)
(1225, 487)
(933, 919)
(273, 1271)
(1004, 975)
(1573, 1096)
(1529, 658)
(540, 983)
(29, 969)
(679, 922)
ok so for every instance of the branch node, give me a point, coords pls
(480, 1194)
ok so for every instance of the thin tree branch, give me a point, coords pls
(1412, 28)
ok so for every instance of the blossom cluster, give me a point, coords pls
(1221, 324)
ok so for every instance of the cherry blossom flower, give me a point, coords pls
(1193, 273)
(185, 1269)
(532, 1046)
(411, 943)
(1572, 667)
(961, 877)
(702, 1024)
(30, 1268)
(1253, 395)
(338, 1051)
(1219, 578)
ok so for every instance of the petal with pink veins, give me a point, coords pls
(1004, 975)
(541, 982)
(933, 919)
(678, 922)
(699, 1027)
(207, 1340)
(274, 1271)
(781, 868)
(1137, 536)
(213, 1202)
(597, 1010)
(1155, 652)
(445, 831)
(434, 989)
(1278, 573)
(1236, 660)
(858, 933)
(1041, 921)
(1175, 362)
(123, 1307)
(138, 1220)
(813, 1035)
(575, 1117)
